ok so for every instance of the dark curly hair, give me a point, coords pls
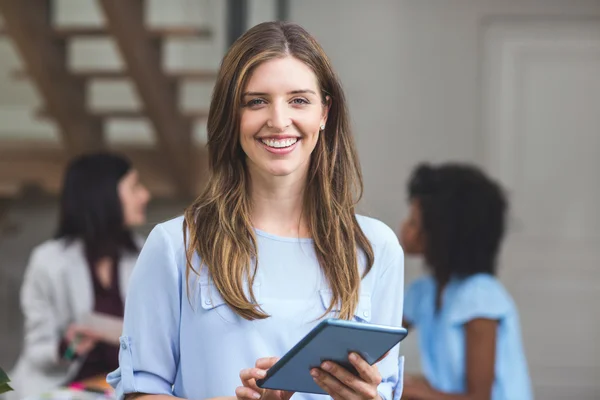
(463, 218)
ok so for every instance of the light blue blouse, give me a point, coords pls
(194, 347)
(442, 335)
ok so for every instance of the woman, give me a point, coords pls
(468, 325)
(85, 269)
(270, 247)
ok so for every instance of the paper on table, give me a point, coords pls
(108, 327)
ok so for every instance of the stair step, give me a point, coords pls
(128, 114)
(187, 75)
(171, 32)
(42, 163)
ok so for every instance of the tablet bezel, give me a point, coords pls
(328, 323)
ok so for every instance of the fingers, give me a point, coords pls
(71, 332)
(249, 376)
(330, 384)
(246, 393)
(252, 373)
(343, 382)
(266, 363)
(369, 373)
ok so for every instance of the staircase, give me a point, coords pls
(174, 163)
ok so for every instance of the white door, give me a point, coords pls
(542, 139)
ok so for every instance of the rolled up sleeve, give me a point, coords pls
(149, 346)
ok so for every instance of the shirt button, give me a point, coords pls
(207, 302)
(124, 346)
(366, 314)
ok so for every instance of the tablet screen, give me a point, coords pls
(331, 340)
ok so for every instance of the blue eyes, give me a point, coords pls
(255, 102)
(300, 101)
(259, 102)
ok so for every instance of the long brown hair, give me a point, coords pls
(219, 222)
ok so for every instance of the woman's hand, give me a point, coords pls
(249, 390)
(341, 384)
(80, 339)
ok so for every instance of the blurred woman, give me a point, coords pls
(467, 323)
(84, 269)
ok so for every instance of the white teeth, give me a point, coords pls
(279, 143)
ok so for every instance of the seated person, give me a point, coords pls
(84, 269)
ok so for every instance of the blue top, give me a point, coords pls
(196, 347)
(442, 335)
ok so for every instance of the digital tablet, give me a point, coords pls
(331, 340)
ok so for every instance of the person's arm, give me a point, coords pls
(480, 358)
(42, 336)
(413, 298)
(149, 345)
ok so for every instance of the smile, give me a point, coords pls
(279, 143)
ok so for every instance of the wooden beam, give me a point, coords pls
(33, 163)
(142, 56)
(174, 32)
(160, 33)
(28, 23)
(119, 113)
(111, 75)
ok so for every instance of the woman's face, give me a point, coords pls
(281, 119)
(134, 199)
(412, 236)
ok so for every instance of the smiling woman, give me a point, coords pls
(280, 121)
(271, 247)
